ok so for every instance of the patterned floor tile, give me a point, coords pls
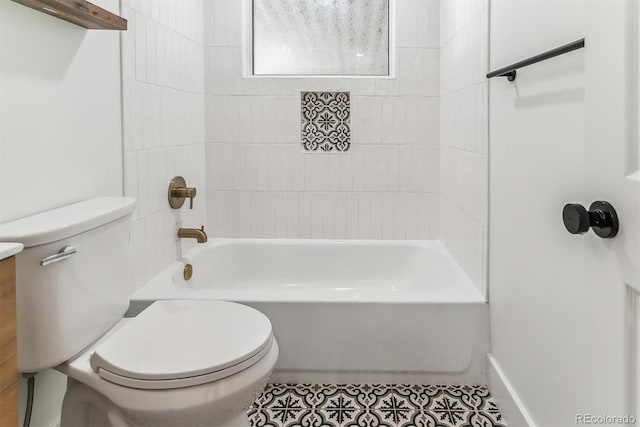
(374, 405)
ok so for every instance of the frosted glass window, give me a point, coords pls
(321, 37)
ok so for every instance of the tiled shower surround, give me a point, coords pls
(464, 134)
(163, 121)
(416, 167)
(260, 181)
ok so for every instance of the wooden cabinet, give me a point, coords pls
(8, 371)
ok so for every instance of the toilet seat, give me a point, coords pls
(175, 344)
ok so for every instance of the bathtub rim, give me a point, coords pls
(162, 286)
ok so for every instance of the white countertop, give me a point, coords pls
(9, 249)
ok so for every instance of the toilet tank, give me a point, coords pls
(65, 303)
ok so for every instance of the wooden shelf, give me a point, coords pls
(79, 12)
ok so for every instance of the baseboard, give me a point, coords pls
(511, 407)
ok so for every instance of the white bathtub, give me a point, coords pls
(345, 310)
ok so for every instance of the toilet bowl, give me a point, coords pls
(178, 363)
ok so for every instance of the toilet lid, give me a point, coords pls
(182, 343)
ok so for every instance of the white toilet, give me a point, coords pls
(178, 363)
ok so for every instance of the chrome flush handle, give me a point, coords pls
(62, 254)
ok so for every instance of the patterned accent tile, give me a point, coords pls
(326, 121)
(374, 405)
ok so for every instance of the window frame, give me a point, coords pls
(247, 51)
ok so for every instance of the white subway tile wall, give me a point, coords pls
(164, 124)
(260, 183)
(464, 160)
(418, 165)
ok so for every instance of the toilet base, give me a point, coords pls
(84, 407)
(241, 420)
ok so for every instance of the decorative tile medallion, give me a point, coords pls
(374, 405)
(325, 121)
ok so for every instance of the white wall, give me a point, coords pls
(60, 131)
(464, 160)
(163, 104)
(260, 182)
(556, 336)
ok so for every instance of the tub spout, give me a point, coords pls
(193, 233)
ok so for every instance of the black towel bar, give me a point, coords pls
(510, 71)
